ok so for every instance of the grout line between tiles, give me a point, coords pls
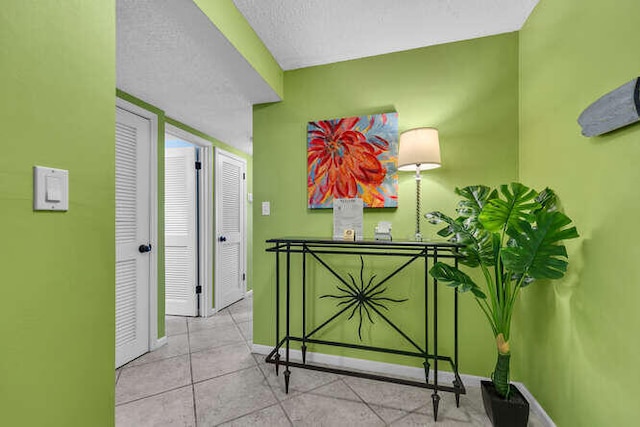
(218, 346)
(148, 363)
(175, 335)
(193, 389)
(222, 323)
(258, 357)
(176, 317)
(152, 395)
(404, 416)
(364, 401)
(231, 372)
(189, 353)
(315, 388)
(242, 334)
(286, 414)
(158, 360)
(223, 375)
(273, 393)
(250, 413)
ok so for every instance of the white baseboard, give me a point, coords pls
(159, 343)
(391, 369)
(534, 405)
(395, 370)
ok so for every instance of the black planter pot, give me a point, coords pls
(513, 412)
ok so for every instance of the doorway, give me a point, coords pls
(231, 254)
(188, 212)
(136, 232)
(181, 224)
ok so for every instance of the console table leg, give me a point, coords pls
(426, 371)
(456, 384)
(277, 357)
(288, 311)
(304, 304)
(436, 401)
(287, 374)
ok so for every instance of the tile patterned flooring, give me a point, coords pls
(207, 376)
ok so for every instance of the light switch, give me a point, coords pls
(50, 189)
(54, 190)
(266, 208)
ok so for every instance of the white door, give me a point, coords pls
(230, 229)
(180, 231)
(133, 144)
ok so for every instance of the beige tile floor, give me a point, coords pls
(207, 376)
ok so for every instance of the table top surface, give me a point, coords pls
(366, 242)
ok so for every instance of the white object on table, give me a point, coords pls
(347, 214)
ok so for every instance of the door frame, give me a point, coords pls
(154, 340)
(219, 151)
(205, 202)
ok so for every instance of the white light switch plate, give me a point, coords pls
(50, 189)
(266, 208)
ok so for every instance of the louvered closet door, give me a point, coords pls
(132, 230)
(230, 224)
(180, 231)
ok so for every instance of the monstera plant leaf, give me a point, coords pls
(538, 252)
(474, 199)
(517, 206)
(481, 248)
(437, 217)
(478, 242)
(455, 278)
(547, 200)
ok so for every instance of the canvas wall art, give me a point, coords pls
(353, 157)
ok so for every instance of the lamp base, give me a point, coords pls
(417, 237)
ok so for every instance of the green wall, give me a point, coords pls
(231, 23)
(162, 121)
(575, 346)
(468, 90)
(57, 74)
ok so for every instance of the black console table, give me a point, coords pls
(369, 300)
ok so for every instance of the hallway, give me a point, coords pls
(207, 376)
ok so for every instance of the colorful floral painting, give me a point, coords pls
(353, 157)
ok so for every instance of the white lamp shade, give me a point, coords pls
(419, 149)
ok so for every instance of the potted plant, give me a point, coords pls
(514, 236)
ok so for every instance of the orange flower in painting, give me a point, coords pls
(342, 163)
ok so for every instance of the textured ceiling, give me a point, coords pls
(170, 55)
(302, 33)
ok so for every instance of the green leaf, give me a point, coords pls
(455, 278)
(474, 199)
(438, 218)
(479, 249)
(538, 252)
(478, 242)
(517, 206)
(547, 200)
(526, 282)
